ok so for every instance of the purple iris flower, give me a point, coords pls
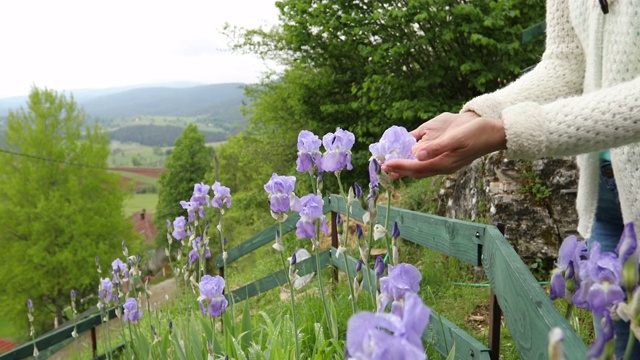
(389, 336)
(178, 228)
(106, 290)
(571, 251)
(211, 288)
(197, 243)
(200, 194)
(192, 209)
(403, 278)
(308, 151)
(629, 254)
(29, 304)
(193, 256)
(602, 338)
(359, 231)
(374, 170)
(379, 266)
(338, 150)
(395, 234)
(119, 267)
(221, 195)
(396, 143)
(599, 281)
(280, 189)
(310, 209)
(131, 311)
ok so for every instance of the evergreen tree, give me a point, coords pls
(187, 165)
(60, 208)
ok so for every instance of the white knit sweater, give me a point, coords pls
(583, 97)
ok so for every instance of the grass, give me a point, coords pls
(138, 202)
(138, 177)
(9, 330)
(126, 154)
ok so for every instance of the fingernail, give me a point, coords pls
(421, 155)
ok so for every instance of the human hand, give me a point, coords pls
(434, 128)
(452, 147)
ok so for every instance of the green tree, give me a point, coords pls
(366, 65)
(187, 165)
(60, 208)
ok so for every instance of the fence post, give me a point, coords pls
(334, 243)
(496, 317)
(94, 342)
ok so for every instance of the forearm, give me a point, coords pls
(596, 121)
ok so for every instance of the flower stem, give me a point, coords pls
(386, 226)
(629, 349)
(346, 242)
(319, 274)
(569, 312)
(293, 301)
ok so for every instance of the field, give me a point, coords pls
(145, 194)
(136, 155)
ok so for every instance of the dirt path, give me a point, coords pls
(159, 294)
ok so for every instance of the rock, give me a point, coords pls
(534, 199)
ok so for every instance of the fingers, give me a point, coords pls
(420, 169)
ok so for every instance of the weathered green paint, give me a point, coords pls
(262, 238)
(459, 239)
(441, 333)
(339, 263)
(528, 312)
(56, 336)
(277, 279)
(534, 32)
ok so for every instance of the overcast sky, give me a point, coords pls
(65, 45)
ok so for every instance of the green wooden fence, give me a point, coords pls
(528, 311)
(54, 340)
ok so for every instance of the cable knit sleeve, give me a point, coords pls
(559, 74)
(596, 121)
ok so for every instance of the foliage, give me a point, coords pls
(187, 164)
(364, 66)
(532, 184)
(60, 207)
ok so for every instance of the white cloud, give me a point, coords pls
(70, 44)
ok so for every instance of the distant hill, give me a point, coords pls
(220, 100)
(216, 107)
(174, 99)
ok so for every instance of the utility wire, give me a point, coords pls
(50, 160)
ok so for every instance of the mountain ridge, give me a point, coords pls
(220, 100)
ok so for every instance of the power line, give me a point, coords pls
(49, 159)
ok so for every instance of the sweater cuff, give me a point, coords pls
(488, 106)
(524, 126)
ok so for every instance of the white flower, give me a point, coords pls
(379, 232)
(556, 350)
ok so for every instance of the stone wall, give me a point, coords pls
(493, 189)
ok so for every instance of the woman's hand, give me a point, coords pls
(449, 144)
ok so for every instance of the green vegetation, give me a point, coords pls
(137, 202)
(365, 67)
(59, 210)
(531, 183)
(186, 166)
(155, 135)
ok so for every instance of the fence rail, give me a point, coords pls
(528, 312)
(60, 335)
